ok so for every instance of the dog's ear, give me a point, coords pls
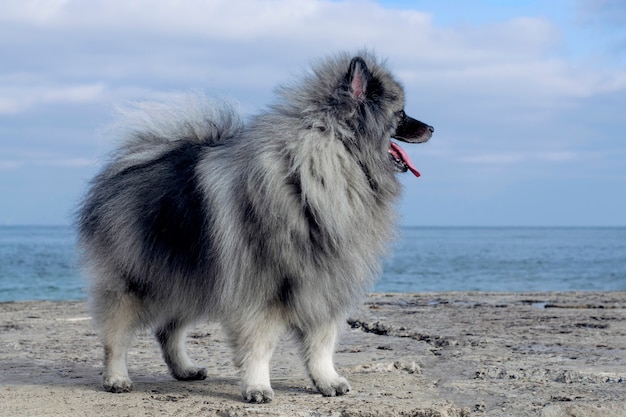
(358, 77)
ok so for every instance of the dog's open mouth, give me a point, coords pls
(401, 159)
(411, 131)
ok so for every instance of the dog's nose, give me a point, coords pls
(432, 129)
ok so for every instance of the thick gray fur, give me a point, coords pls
(275, 225)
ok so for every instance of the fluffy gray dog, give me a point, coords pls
(275, 225)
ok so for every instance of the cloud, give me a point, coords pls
(503, 93)
(15, 164)
(35, 11)
(321, 25)
(509, 74)
(9, 165)
(602, 12)
(152, 43)
(245, 20)
(16, 98)
(519, 157)
(606, 20)
(70, 163)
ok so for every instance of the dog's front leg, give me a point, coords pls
(318, 345)
(254, 343)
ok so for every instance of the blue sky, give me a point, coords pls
(528, 98)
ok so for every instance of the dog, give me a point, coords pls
(275, 225)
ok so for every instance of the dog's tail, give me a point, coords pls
(191, 117)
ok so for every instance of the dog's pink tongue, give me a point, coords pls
(400, 154)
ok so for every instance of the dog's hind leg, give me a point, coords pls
(171, 337)
(118, 316)
(318, 346)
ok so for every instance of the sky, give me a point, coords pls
(527, 97)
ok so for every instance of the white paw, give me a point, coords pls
(117, 384)
(258, 394)
(332, 388)
(191, 374)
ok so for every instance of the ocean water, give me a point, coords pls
(516, 259)
(39, 263)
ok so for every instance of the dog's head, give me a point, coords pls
(380, 107)
(357, 100)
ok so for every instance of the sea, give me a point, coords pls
(40, 262)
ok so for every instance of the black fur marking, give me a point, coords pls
(171, 210)
(315, 230)
(295, 181)
(137, 287)
(375, 91)
(366, 171)
(163, 333)
(317, 237)
(286, 291)
(373, 185)
(89, 224)
(257, 231)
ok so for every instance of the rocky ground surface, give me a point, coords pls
(448, 354)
